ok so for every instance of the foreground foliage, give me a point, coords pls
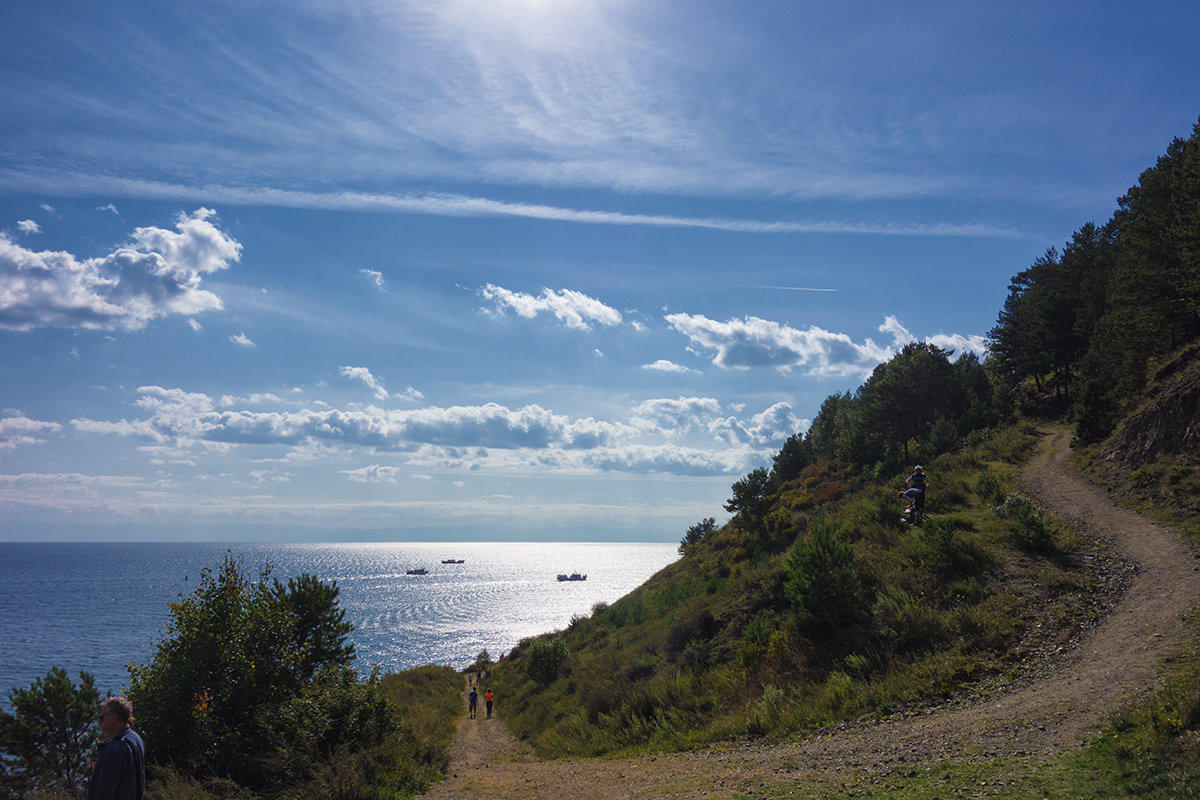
(47, 745)
(252, 692)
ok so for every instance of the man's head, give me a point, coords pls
(115, 713)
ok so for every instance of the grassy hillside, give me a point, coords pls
(829, 608)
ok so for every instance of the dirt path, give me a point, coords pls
(1106, 666)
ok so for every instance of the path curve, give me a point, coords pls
(1112, 663)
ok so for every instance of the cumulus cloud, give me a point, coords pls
(678, 415)
(574, 309)
(18, 431)
(663, 365)
(156, 274)
(242, 340)
(772, 425)
(194, 417)
(28, 226)
(487, 436)
(961, 344)
(753, 342)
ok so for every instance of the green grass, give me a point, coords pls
(728, 641)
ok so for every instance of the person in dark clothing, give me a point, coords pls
(472, 702)
(120, 772)
(918, 487)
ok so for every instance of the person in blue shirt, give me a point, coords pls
(120, 772)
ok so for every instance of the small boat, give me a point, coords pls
(574, 576)
(453, 560)
(417, 571)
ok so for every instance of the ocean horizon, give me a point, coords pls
(99, 606)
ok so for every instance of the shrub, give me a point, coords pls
(1027, 525)
(546, 658)
(251, 682)
(47, 743)
(822, 581)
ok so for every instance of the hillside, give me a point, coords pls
(997, 740)
(1152, 460)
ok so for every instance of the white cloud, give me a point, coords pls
(194, 325)
(375, 473)
(49, 209)
(363, 374)
(374, 276)
(575, 309)
(157, 274)
(663, 365)
(28, 226)
(110, 208)
(756, 343)
(961, 344)
(753, 343)
(242, 340)
(18, 431)
(453, 205)
(77, 493)
(768, 427)
(678, 415)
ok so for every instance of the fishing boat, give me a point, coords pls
(417, 571)
(574, 576)
(453, 560)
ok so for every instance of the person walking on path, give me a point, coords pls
(120, 772)
(472, 702)
(488, 697)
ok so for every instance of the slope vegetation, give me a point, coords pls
(1058, 696)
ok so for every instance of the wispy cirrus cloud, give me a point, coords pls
(458, 205)
(664, 365)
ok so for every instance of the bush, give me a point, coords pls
(822, 581)
(1027, 525)
(546, 658)
(252, 682)
(47, 744)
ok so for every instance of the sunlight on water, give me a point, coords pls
(96, 607)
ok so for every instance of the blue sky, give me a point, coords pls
(516, 269)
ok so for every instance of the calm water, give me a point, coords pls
(97, 607)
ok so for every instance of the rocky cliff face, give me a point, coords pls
(1168, 422)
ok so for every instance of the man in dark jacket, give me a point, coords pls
(120, 772)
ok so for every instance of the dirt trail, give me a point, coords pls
(1108, 665)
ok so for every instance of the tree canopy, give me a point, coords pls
(1089, 322)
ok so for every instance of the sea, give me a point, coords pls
(98, 607)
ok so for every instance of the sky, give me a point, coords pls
(515, 269)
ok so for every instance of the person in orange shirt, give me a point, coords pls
(488, 697)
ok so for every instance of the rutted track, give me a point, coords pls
(1107, 666)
